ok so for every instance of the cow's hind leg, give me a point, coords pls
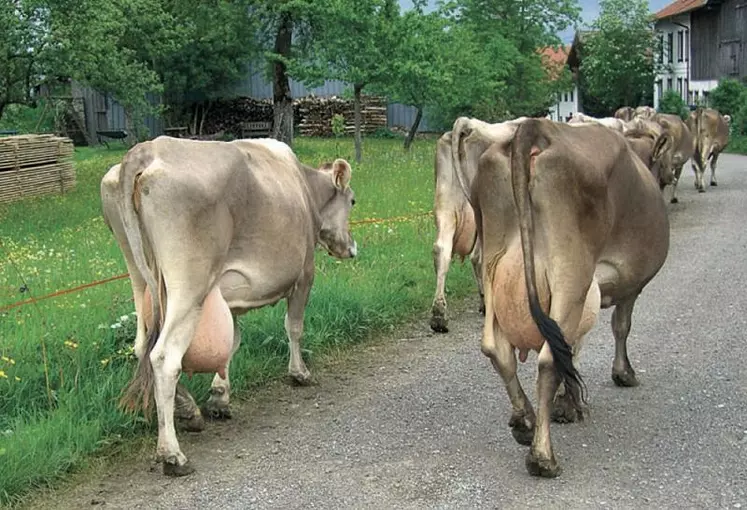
(294, 328)
(217, 405)
(503, 358)
(540, 460)
(714, 160)
(566, 404)
(476, 259)
(622, 372)
(442, 253)
(188, 416)
(677, 174)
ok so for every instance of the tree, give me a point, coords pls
(617, 64)
(672, 102)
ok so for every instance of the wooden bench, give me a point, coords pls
(117, 134)
(256, 129)
(176, 132)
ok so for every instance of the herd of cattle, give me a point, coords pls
(559, 220)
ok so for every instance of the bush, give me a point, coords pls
(730, 98)
(671, 102)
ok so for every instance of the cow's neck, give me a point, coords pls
(320, 185)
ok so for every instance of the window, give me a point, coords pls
(565, 97)
(680, 45)
(669, 83)
(659, 92)
(670, 47)
(661, 48)
(687, 90)
(687, 45)
(679, 86)
(571, 96)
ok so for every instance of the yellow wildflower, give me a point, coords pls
(2, 374)
(71, 344)
(18, 379)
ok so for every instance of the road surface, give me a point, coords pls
(420, 421)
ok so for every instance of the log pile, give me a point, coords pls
(316, 114)
(312, 116)
(33, 165)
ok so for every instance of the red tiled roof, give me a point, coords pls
(679, 7)
(554, 59)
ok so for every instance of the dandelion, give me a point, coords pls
(70, 344)
(8, 360)
(18, 379)
(104, 362)
(2, 374)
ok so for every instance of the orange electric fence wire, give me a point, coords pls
(367, 221)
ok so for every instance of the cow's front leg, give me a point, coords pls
(294, 328)
(622, 371)
(714, 160)
(442, 253)
(217, 405)
(677, 174)
(503, 358)
(699, 170)
(540, 460)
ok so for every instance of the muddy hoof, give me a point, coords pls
(301, 379)
(194, 424)
(564, 412)
(714, 183)
(175, 470)
(217, 412)
(439, 324)
(674, 200)
(522, 431)
(625, 379)
(540, 466)
(701, 190)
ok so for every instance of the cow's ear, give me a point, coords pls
(663, 143)
(341, 173)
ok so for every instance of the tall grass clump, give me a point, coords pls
(64, 361)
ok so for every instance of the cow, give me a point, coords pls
(711, 132)
(645, 112)
(610, 122)
(684, 145)
(212, 227)
(654, 146)
(457, 153)
(625, 113)
(566, 229)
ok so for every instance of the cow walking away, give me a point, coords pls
(711, 132)
(566, 228)
(654, 146)
(210, 230)
(684, 145)
(457, 153)
(625, 113)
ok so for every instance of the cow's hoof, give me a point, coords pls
(194, 424)
(522, 430)
(301, 378)
(674, 200)
(564, 411)
(175, 470)
(439, 324)
(217, 411)
(541, 466)
(625, 379)
(714, 183)
(482, 309)
(701, 190)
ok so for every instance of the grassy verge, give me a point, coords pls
(64, 361)
(737, 144)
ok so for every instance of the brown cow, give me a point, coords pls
(566, 228)
(217, 229)
(645, 112)
(457, 153)
(655, 147)
(711, 132)
(625, 113)
(684, 145)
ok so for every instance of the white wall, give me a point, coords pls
(678, 75)
(568, 105)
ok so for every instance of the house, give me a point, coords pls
(701, 41)
(568, 103)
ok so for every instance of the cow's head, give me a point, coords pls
(335, 233)
(661, 159)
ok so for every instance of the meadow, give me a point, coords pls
(65, 360)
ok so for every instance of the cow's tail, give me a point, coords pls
(528, 137)
(459, 131)
(138, 392)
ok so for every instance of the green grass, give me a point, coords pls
(83, 341)
(737, 144)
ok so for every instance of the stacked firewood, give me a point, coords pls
(316, 114)
(227, 115)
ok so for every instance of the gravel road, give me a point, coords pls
(420, 420)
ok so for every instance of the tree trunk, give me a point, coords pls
(204, 116)
(414, 128)
(357, 88)
(282, 126)
(2, 108)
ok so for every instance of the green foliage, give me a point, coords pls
(338, 125)
(88, 335)
(728, 97)
(671, 102)
(25, 119)
(617, 64)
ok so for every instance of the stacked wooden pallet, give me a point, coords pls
(33, 165)
(316, 114)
